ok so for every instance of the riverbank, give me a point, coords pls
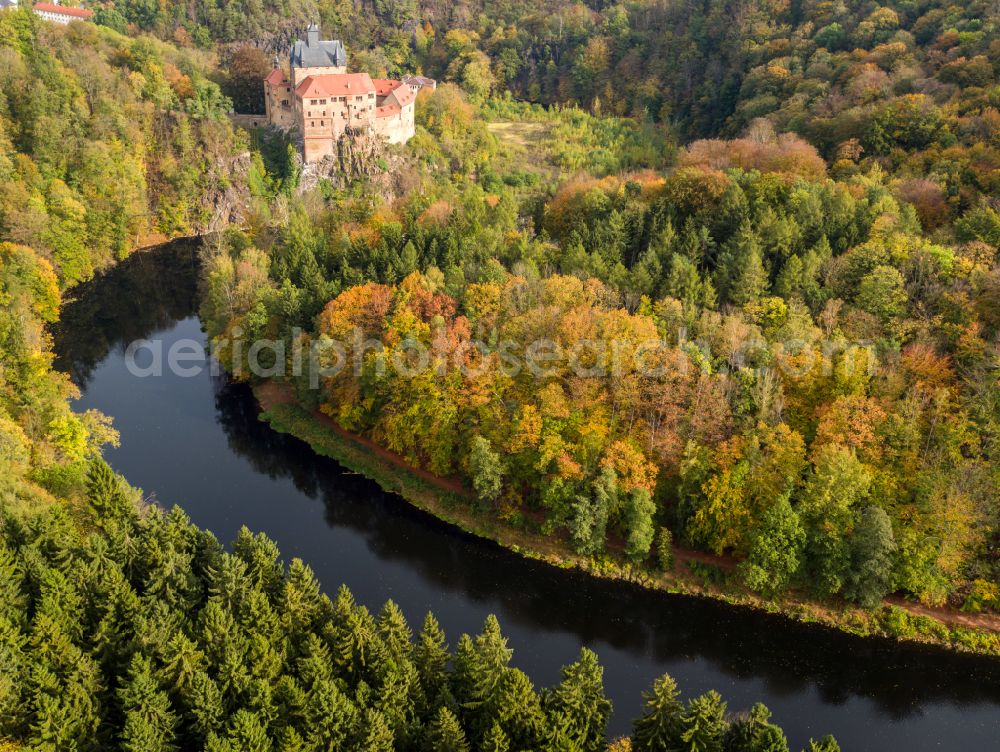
(694, 573)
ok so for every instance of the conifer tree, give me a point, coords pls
(703, 723)
(659, 727)
(519, 711)
(376, 734)
(107, 494)
(639, 519)
(262, 558)
(302, 602)
(330, 715)
(445, 733)
(12, 592)
(12, 679)
(753, 732)
(289, 740)
(578, 705)
(480, 671)
(149, 720)
(665, 549)
(588, 526)
(246, 732)
(395, 632)
(181, 661)
(826, 744)
(495, 740)
(752, 280)
(430, 655)
(873, 547)
(204, 704)
(315, 664)
(487, 470)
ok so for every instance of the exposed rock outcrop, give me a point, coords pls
(364, 157)
(226, 202)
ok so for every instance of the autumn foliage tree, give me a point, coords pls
(246, 69)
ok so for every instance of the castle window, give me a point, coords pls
(358, 99)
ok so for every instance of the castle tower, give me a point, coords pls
(316, 57)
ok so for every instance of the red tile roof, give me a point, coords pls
(64, 10)
(336, 85)
(404, 95)
(387, 110)
(277, 76)
(385, 85)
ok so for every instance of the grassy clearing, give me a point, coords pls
(520, 134)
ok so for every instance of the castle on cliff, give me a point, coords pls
(324, 102)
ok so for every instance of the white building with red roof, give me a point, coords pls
(420, 82)
(61, 14)
(324, 102)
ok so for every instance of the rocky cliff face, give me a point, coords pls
(359, 158)
(226, 202)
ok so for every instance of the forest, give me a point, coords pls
(908, 86)
(105, 142)
(783, 217)
(124, 627)
(824, 403)
(819, 266)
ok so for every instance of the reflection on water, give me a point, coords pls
(197, 442)
(148, 293)
(791, 656)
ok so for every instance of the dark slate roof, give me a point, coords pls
(316, 53)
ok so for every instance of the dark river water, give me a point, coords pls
(195, 441)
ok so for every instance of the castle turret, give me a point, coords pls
(314, 56)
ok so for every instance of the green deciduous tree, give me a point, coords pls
(775, 550)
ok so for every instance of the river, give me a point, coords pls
(195, 441)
